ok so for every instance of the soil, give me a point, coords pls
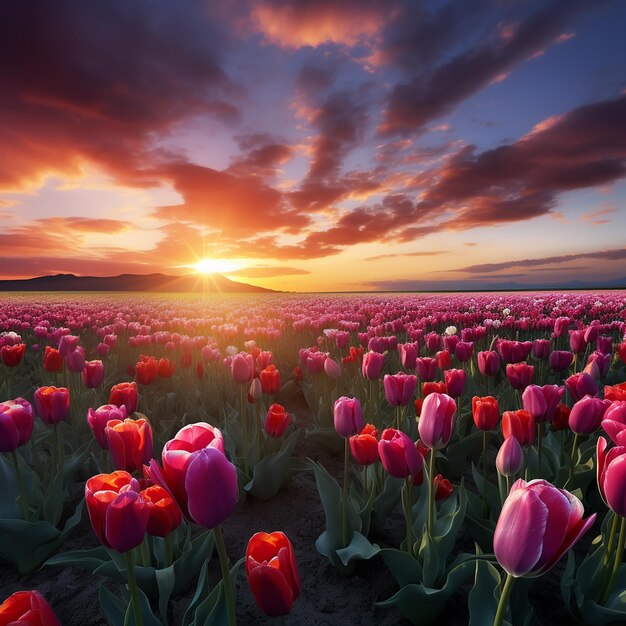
(327, 598)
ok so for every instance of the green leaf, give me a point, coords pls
(326, 437)
(166, 580)
(359, 549)
(404, 568)
(86, 559)
(115, 609)
(482, 601)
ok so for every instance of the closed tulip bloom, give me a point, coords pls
(118, 514)
(552, 395)
(16, 424)
(464, 350)
(255, 392)
(586, 415)
(67, 344)
(611, 476)
(577, 341)
(399, 388)
(166, 368)
(364, 446)
(270, 379)
(100, 417)
(443, 487)
(433, 387)
(598, 364)
(93, 374)
(398, 454)
(52, 404)
(444, 360)
(580, 385)
(408, 355)
(372, 365)
(211, 487)
(561, 325)
(75, 360)
(604, 344)
(455, 382)
(332, 369)
(436, 423)
(538, 524)
(348, 416)
(485, 412)
(514, 351)
(560, 420)
(315, 362)
(376, 344)
(510, 457)
(488, 362)
(535, 402)
(276, 421)
(450, 342)
(264, 359)
(541, 348)
(621, 351)
(519, 424)
(519, 375)
(52, 360)
(124, 394)
(129, 443)
(426, 368)
(272, 572)
(146, 371)
(614, 422)
(177, 455)
(12, 355)
(163, 513)
(560, 360)
(432, 341)
(27, 608)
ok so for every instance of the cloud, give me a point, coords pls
(379, 257)
(599, 216)
(426, 95)
(84, 225)
(618, 254)
(267, 271)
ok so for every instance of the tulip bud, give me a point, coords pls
(510, 457)
(399, 388)
(52, 404)
(348, 416)
(488, 363)
(398, 454)
(372, 365)
(256, 390)
(519, 375)
(534, 402)
(436, 423)
(332, 368)
(586, 415)
(276, 421)
(560, 360)
(485, 412)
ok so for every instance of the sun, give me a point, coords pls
(214, 266)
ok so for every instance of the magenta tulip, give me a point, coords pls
(541, 348)
(455, 382)
(580, 385)
(398, 454)
(488, 362)
(510, 457)
(436, 423)
(586, 415)
(16, 424)
(614, 422)
(399, 388)
(611, 476)
(372, 365)
(560, 360)
(93, 374)
(534, 402)
(98, 419)
(519, 375)
(426, 368)
(348, 416)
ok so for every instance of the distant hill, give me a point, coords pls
(189, 283)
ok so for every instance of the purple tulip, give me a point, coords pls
(560, 360)
(436, 423)
(541, 348)
(464, 351)
(538, 524)
(348, 416)
(488, 362)
(580, 385)
(510, 457)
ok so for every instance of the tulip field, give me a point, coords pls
(313, 459)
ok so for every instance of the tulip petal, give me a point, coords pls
(517, 540)
(271, 590)
(558, 522)
(126, 521)
(614, 479)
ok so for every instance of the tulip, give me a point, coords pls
(615, 392)
(264, 359)
(535, 402)
(75, 360)
(580, 385)
(621, 351)
(408, 355)
(455, 382)
(270, 379)
(538, 524)
(130, 443)
(177, 455)
(276, 421)
(118, 514)
(16, 424)
(399, 388)
(464, 351)
(372, 365)
(124, 394)
(519, 375)
(398, 454)
(348, 417)
(611, 476)
(52, 404)
(67, 344)
(433, 387)
(444, 360)
(552, 395)
(332, 369)
(272, 572)
(614, 422)
(561, 324)
(519, 424)
(560, 420)
(488, 362)
(12, 355)
(586, 415)
(514, 351)
(163, 513)
(604, 344)
(146, 370)
(93, 374)
(541, 348)
(315, 362)
(103, 349)
(436, 423)
(598, 364)
(432, 341)
(443, 487)
(364, 446)
(485, 412)
(510, 458)
(450, 342)
(560, 360)
(52, 360)
(376, 344)
(166, 368)
(577, 341)
(426, 369)
(100, 417)
(29, 608)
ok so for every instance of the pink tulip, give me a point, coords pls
(436, 423)
(580, 385)
(99, 418)
(614, 422)
(534, 402)
(242, 368)
(398, 454)
(519, 375)
(348, 416)
(16, 424)
(408, 355)
(93, 374)
(488, 362)
(611, 476)
(332, 369)
(510, 457)
(586, 415)
(426, 368)
(372, 365)
(538, 524)
(399, 388)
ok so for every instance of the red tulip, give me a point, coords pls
(364, 446)
(519, 375)
(426, 369)
(276, 420)
(272, 572)
(28, 608)
(560, 420)
(52, 360)
(444, 360)
(12, 355)
(164, 514)
(52, 404)
(455, 382)
(433, 387)
(118, 513)
(519, 424)
(166, 368)
(124, 394)
(146, 370)
(93, 374)
(615, 392)
(443, 487)
(485, 412)
(129, 443)
(270, 380)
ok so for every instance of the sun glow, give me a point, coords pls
(214, 266)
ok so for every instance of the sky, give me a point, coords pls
(315, 145)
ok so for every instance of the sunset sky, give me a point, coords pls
(315, 145)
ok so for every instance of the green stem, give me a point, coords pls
(20, 486)
(485, 470)
(398, 417)
(609, 543)
(617, 561)
(539, 437)
(169, 550)
(146, 561)
(408, 513)
(431, 490)
(257, 415)
(228, 583)
(132, 587)
(504, 600)
(508, 486)
(572, 459)
(344, 495)
(365, 485)
(501, 488)
(60, 448)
